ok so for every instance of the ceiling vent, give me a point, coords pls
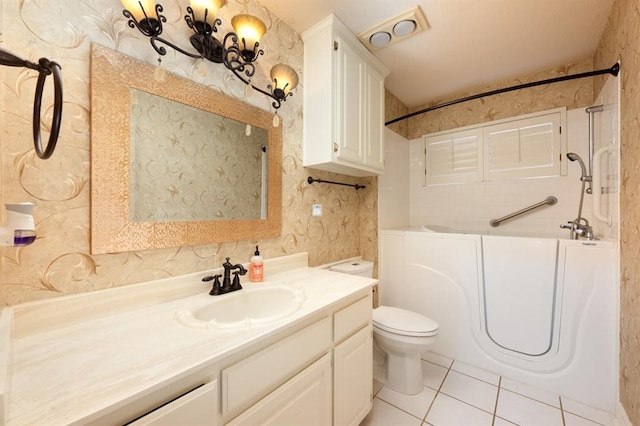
(395, 29)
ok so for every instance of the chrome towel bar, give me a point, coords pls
(551, 200)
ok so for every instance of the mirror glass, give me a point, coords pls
(189, 164)
(175, 163)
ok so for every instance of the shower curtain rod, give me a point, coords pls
(614, 70)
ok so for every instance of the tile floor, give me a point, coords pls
(457, 394)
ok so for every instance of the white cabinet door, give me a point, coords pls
(349, 103)
(373, 110)
(303, 400)
(353, 381)
(343, 102)
(198, 407)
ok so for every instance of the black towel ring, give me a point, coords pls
(45, 68)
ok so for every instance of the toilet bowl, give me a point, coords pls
(400, 336)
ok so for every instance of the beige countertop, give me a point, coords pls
(84, 365)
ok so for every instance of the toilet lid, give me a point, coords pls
(402, 321)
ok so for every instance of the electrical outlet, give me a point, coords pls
(316, 210)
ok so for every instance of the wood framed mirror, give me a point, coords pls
(203, 196)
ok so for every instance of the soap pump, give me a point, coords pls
(256, 270)
(20, 229)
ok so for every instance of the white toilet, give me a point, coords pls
(401, 336)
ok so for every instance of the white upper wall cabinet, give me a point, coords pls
(528, 146)
(343, 102)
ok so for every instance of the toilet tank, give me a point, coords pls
(361, 268)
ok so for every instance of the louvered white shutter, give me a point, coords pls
(524, 148)
(454, 157)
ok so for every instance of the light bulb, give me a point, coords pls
(210, 6)
(284, 77)
(138, 8)
(248, 28)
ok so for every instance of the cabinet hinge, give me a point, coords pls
(335, 147)
(335, 45)
(370, 397)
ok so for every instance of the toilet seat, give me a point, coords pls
(403, 322)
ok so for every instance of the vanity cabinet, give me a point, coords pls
(320, 375)
(311, 368)
(353, 363)
(343, 122)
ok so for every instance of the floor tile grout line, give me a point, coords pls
(473, 377)
(564, 423)
(398, 408)
(424, 419)
(531, 398)
(582, 416)
(465, 403)
(495, 407)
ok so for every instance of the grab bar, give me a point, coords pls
(551, 200)
(597, 187)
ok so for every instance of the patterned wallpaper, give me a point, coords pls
(190, 165)
(620, 41)
(572, 94)
(59, 262)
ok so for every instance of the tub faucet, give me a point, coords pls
(579, 227)
(227, 285)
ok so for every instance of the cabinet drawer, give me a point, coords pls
(352, 318)
(197, 407)
(254, 377)
(303, 400)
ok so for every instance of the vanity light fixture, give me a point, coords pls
(237, 51)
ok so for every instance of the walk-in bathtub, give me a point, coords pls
(538, 310)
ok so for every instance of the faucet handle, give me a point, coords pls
(216, 289)
(236, 281)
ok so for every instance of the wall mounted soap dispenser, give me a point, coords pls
(20, 229)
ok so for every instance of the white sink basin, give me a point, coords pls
(244, 308)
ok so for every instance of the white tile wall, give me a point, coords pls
(470, 207)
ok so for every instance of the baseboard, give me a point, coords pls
(621, 418)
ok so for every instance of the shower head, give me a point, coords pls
(572, 156)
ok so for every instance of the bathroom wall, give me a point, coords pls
(470, 207)
(59, 262)
(571, 94)
(620, 42)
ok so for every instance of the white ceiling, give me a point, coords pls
(469, 43)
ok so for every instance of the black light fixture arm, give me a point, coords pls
(238, 60)
(45, 68)
(148, 26)
(311, 180)
(614, 70)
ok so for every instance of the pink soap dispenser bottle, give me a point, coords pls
(256, 270)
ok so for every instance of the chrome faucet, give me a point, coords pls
(579, 228)
(227, 285)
